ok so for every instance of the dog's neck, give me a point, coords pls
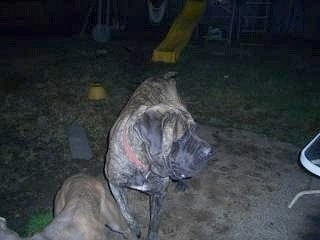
(131, 156)
(134, 159)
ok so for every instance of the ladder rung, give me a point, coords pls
(252, 44)
(256, 17)
(213, 17)
(253, 31)
(258, 3)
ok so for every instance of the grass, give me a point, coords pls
(270, 91)
(37, 222)
(265, 92)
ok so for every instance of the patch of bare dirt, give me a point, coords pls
(243, 194)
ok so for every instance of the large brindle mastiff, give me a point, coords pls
(83, 210)
(153, 140)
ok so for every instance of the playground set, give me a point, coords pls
(227, 20)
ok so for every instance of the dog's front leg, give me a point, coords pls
(156, 201)
(121, 199)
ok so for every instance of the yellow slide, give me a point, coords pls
(180, 32)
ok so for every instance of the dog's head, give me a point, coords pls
(188, 155)
(171, 142)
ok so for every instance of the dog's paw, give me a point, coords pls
(153, 236)
(135, 229)
(181, 186)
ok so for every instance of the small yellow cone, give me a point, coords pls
(97, 92)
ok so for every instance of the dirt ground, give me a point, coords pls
(242, 195)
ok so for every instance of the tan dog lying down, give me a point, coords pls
(83, 209)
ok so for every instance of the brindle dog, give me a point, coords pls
(83, 209)
(153, 140)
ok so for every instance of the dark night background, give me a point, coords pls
(294, 18)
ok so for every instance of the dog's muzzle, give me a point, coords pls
(188, 157)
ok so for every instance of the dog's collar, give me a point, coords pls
(131, 156)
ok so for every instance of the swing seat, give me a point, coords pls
(310, 160)
(310, 156)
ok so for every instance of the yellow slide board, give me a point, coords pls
(180, 32)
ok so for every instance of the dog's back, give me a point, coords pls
(83, 209)
(84, 202)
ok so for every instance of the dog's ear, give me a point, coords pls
(159, 129)
(173, 126)
(149, 129)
